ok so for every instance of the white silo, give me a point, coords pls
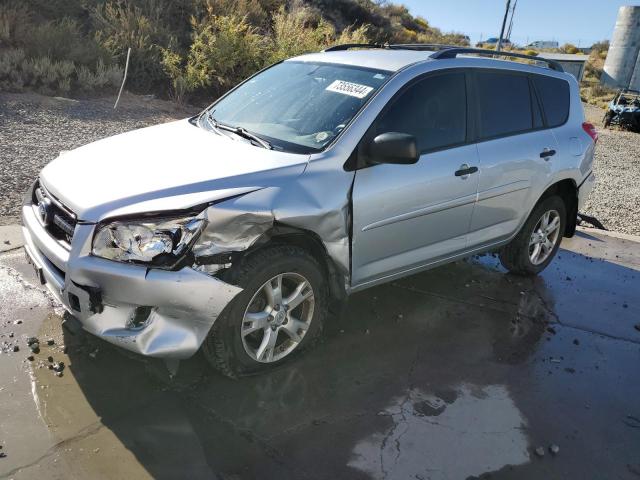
(622, 66)
(634, 84)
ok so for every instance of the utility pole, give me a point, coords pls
(513, 13)
(504, 23)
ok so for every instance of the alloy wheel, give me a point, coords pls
(277, 317)
(544, 237)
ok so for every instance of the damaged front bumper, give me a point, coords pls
(153, 312)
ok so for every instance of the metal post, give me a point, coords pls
(513, 13)
(124, 78)
(504, 23)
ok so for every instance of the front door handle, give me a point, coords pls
(465, 170)
(546, 153)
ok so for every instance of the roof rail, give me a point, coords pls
(347, 46)
(421, 46)
(393, 46)
(454, 52)
(444, 51)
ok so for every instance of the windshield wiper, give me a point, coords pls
(240, 131)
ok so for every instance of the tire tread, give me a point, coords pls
(215, 348)
(515, 255)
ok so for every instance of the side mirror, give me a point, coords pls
(394, 147)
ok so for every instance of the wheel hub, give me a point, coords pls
(279, 318)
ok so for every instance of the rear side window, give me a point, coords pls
(505, 103)
(554, 94)
(434, 110)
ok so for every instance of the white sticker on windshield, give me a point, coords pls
(348, 88)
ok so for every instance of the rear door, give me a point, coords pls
(514, 150)
(407, 215)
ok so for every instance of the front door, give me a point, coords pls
(406, 216)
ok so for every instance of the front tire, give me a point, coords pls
(280, 311)
(536, 244)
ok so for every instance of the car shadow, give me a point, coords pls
(405, 364)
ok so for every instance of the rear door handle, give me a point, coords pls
(546, 153)
(465, 170)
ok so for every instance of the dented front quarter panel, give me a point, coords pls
(315, 202)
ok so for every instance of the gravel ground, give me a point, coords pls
(615, 200)
(33, 129)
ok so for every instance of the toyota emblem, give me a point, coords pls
(44, 211)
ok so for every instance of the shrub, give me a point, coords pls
(11, 78)
(53, 77)
(121, 26)
(58, 39)
(569, 48)
(532, 53)
(591, 71)
(102, 77)
(48, 76)
(293, 34)
(173, 66)
(224, 51)
(598, 90)
(14, 22)
(602, 46)
(253, 11)
(63, 40)
(358, 35)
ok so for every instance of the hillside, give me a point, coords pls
(181, 48)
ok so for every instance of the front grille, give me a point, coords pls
(59, 221)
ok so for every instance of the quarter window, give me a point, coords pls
(554, 94)
(434, 110)
(505, 104)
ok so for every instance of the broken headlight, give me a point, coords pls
(159, 242)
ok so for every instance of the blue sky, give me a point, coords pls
(574, 21)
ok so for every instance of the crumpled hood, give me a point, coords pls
(165, 167)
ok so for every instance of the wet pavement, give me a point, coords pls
(459, 372)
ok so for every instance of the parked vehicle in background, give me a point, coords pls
(328, 173)
(624, 110)
(543, 44)
(492, 42)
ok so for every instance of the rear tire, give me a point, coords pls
(237, 346)
(533, 248)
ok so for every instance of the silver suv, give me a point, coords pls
(233, 231)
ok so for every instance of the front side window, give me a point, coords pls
(504, 101)
(433, 110)
(298, 106)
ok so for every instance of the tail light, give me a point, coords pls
(591, 131)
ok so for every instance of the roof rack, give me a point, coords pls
(347, 46)
(392, 46)
(421, 46)
(444, 51)
(454, 52)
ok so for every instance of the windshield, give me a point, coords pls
(298, 106)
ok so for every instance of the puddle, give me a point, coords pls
(430, 431)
